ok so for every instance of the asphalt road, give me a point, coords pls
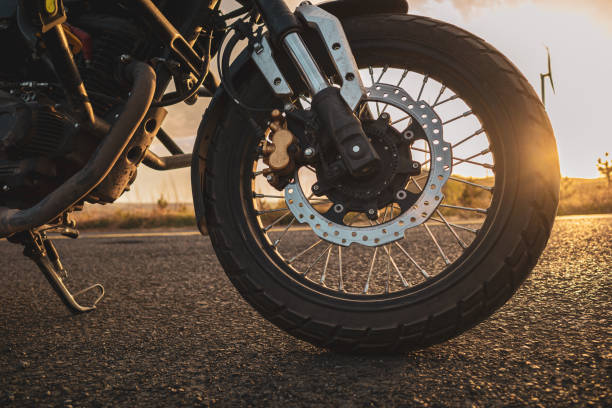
(173, 331)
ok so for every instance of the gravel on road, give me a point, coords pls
(173, 331)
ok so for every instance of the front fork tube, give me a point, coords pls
(334, 110)
(284, 29)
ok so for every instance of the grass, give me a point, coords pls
(585, 196)
(577, 196)
(143, 218)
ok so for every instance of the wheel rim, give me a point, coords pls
(427, 249)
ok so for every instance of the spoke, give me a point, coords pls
(321, 201)
(452, 98)
(257, 173)
(326, 264)
(402, 78)
(471, 183)
(435, 241)
(367, 284)
(459, 160)
(317, 259)
(262, 212)
(425, 79)
(364, 106)
(384, 70)
(388, 274)
(463, 115)
(275, 245)
(456, 207)
(309, 167)
(373, 82)
(304, 251)
(425, 274)
(474, 231)
(340, 280)
(452, 230)
(257, 195)
(422, 176)
(459, 240)
(404, 282)
(470, 161)
(476, 133)
(400, 120)
(276, 221)
(439, 95)
(481, 153)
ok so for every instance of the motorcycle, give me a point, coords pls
(371, 180)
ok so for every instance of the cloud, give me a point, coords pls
(600, 9)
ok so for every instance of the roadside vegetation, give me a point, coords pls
(139, 217)
(578, 196)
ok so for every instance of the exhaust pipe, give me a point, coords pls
(97, 168)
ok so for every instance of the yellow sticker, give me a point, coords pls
(51, 6)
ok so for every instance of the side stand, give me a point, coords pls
(41, 250)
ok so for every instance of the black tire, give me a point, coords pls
(473, 287)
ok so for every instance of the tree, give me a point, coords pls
(162, 203)
(605, 167)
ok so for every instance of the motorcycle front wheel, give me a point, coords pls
(481, 236)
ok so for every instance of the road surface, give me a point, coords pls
(173, 331)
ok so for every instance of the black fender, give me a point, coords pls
(243, 65)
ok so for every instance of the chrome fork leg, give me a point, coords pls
(41, 250)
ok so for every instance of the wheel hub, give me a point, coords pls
(378, 189)
(368, 195)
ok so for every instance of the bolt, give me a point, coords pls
(309, 152)
(401, 195)
(336, 46)
(277, 81)
(258, 48)
(76, 125)
(269, 177)
(356, 149)
(409, 135)
(5, 188)
(116, 116)
(124, 58)
(305, 3)
(350, 76)
(415, 165)
(371, 211)
(385, 116)
(338, 208)
(315, 187)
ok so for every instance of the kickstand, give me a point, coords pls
(41, 250)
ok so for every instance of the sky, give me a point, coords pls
(578, 34)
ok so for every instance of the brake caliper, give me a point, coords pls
(279, 152)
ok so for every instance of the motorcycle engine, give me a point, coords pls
(41, 145)
(39, 148)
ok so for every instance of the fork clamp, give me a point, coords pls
(333, 106)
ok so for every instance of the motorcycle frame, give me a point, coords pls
(178, 43)
(149, 86)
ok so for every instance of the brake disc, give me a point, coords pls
(418, 213)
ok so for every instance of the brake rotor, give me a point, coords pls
(411, 216)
